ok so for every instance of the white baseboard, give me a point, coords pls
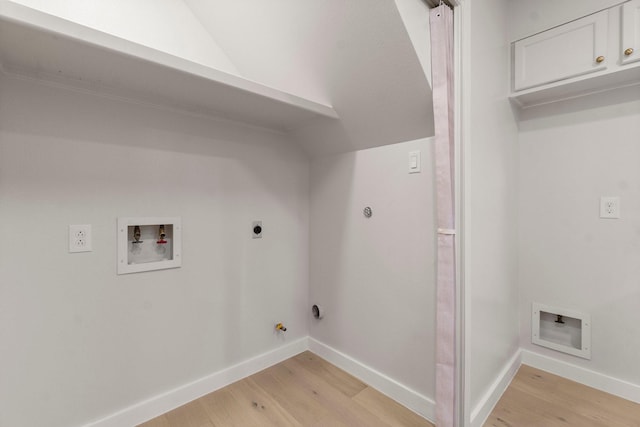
(483, 409)
(413, 400)
(422, 405)
(158, 405)
(582, 375)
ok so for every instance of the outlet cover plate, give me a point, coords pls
(80, 238)
(610, 207)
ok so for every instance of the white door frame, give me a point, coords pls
(461, 121)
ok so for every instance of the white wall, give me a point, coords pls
(570, 154)
(415, 15)
(376, 277)
(166, 25)
(490, 156)
(81, 342)
(569, 257)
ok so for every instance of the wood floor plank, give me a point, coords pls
(190, 415)
(596, 405)
(510, 413)
(160, 421)
(303, 405)
(538, 398)
(330, 421)
(303, 391)
(224, 410)
(522, 409)
(340, 405)
(388, 410)
(346, 383)
(267, 411)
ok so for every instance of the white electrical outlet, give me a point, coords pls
(80, 238)
(610, 207)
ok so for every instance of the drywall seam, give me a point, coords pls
(162, 403)
(418, 403)
(582, 375)
(483, 409)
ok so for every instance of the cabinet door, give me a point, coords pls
(570, 50)
(631, 32)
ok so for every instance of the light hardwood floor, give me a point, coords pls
(539, 399)
(302, 391)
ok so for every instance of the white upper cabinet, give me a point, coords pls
(592, 54)
(631, 32)
(570, 50)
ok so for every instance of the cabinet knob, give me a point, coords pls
(628, 51)
(599, 59)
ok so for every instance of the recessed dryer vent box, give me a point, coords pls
(561, 329)
(149, 243)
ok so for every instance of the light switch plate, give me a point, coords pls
(414, 162)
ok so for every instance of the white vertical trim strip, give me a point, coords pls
(461, 418)
(441, 26)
